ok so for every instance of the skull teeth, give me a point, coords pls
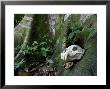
(68, 65)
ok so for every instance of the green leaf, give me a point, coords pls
(91, 34)
(44, 49)
(19, 64)
(35, 43)
(44, 54)
(71, 35)
(85, 32)
(43, 43)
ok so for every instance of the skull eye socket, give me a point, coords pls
(74, 48)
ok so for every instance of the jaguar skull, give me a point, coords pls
(73, 52)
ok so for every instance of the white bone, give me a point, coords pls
(69, 54)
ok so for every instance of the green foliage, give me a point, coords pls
(77, 35)
(88, 64)
(50, 64)
(37, 51)
(19, 64)
(74, 21)
(82, 35)
(16, 50)
(92, 32)
(88, 32)
(47, 48)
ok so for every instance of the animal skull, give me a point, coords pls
(73, 52)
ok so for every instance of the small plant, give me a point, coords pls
(79, 34)
(37, 52)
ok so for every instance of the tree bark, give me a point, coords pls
(25, 23)
(37, 29)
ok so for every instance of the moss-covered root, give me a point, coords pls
(88, 64)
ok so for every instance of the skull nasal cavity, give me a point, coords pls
(74, 48)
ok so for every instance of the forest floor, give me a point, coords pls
(39, 70)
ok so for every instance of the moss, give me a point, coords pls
(40, 27)
(88, 64)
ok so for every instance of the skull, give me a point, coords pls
(73, 52)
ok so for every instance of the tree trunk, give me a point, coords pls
(37, 27)
(24, 24)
